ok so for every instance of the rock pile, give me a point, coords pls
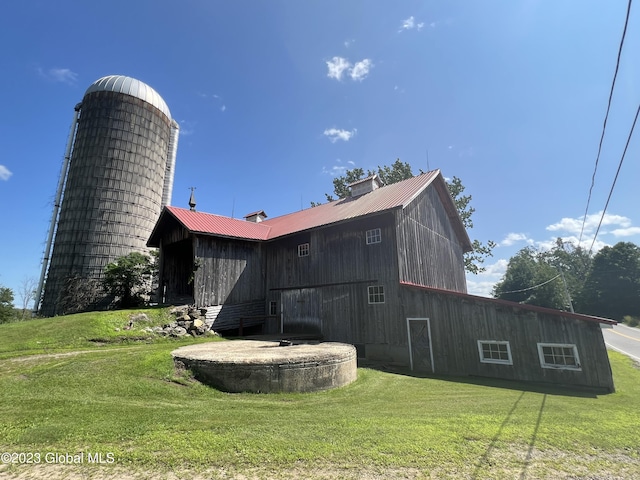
(188, 321)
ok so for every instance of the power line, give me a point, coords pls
(530, 288)
(615, 178)
(606, 117)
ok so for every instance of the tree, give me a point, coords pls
(551, 278)
(399, 171)
(129, 279)
(27, 293)
(612, 287)
(6, 304)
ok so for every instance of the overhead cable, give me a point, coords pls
(606, 117)
(530, 288)
(615, 178)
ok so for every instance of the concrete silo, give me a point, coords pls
(116, 177)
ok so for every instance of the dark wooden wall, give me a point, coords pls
(228, 271)
(429, 251)
(458, 323)
(337, 254)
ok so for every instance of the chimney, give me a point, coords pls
(365, 185)
(256, 217)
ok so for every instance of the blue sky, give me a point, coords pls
(275, 98)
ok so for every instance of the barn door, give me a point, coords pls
(420, 346)
(301, 311)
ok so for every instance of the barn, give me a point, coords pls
(383, 270)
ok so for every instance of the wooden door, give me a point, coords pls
(301, 311)
(420, 346)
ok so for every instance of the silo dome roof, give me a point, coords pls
(130, 86)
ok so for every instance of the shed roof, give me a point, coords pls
(397, 195)
(507, 303)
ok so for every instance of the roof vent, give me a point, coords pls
(192, 200)
(365, 185)
(256, 217)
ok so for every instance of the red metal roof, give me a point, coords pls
(199, 222)
(397, 195)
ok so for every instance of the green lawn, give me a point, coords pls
(124, 397)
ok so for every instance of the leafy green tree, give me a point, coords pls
(129, 279)
(7, 311)
(399, 171)
(612, 287)
(550, 278)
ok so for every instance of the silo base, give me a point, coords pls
(268, 367)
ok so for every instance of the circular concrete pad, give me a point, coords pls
(267, 367)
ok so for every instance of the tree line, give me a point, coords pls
(567, 277)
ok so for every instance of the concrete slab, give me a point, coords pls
(266, 367)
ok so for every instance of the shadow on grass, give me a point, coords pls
(543, 388)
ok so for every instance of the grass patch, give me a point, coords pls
(79, 331)
(132, 402)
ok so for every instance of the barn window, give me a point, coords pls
(376, 294)
(303, 250)
(273, 308)
(559, 355)
(492, 351)
(374, 236)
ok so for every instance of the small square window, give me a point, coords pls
(273, 308)
(559, 355)
(376, 294)
(303, 250)
(374, 236)
(492, 351)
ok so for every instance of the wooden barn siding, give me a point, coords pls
(176, 266)
(227, 317)
(342, 313)
(338, 254)
(229, 271)
(457, 324)
(429, 252)
(335, 277)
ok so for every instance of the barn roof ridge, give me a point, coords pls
(385, 198)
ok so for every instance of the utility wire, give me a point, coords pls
(531, 288)
(606, 117)
(615, 178)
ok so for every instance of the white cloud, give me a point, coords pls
(574, 225)
(187, 128)
(334, 171)
(348, 42)
(335, 134)
(4, 173)
(625, 232)
(361, 69)
(482, 283)
(410, 24)
(223, 108)
(62, 75)
(512, 238)
(337, 66)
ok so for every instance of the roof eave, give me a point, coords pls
(523, 306)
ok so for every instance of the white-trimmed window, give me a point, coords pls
(374, 236)
(376, 294)
(562, 356)
(493, 351)
(303, 250)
